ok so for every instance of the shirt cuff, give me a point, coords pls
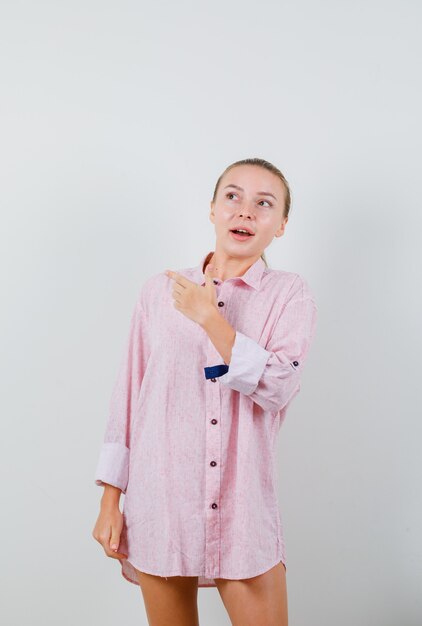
(113, 466)
(247, 364)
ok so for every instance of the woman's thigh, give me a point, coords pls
(257, 601)
(170, 601)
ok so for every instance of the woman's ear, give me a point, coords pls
(280, 231)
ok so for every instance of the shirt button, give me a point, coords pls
(295, 363)
(213, 421)
(214, 505)
(213, 380)
(213, 463)
(221, 303)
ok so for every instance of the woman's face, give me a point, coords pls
(251, 197)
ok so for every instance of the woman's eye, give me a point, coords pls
(233, 194)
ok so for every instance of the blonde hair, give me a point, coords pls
(271, 168)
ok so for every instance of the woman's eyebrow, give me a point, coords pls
(259, 193)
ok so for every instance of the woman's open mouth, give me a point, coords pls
(240, 235)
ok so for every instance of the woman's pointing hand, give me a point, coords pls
(193, 300)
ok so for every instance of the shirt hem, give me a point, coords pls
(280, 559)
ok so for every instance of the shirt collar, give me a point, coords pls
(251, 277)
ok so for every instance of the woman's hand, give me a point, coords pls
(193, 300)
(108, 528)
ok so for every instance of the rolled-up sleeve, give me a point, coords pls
(271, 375)
(113, 463)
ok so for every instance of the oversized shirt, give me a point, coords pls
(191, 441)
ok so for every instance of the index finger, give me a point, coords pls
(178, 278)
(111, 553)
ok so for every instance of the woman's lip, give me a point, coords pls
(240, 237)
(249, 231)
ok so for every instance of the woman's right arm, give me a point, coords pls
(112, 471)
(113, 463)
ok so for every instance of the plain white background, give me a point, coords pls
(116, 120)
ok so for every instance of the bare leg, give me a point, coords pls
(257, 601)
(170, 601)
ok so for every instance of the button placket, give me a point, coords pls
(213, 446)
(212, 472)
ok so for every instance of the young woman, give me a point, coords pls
(213, 359)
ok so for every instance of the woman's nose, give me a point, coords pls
(246, 211)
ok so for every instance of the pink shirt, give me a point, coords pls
(192, 448)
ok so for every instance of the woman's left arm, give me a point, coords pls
(270, 376)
